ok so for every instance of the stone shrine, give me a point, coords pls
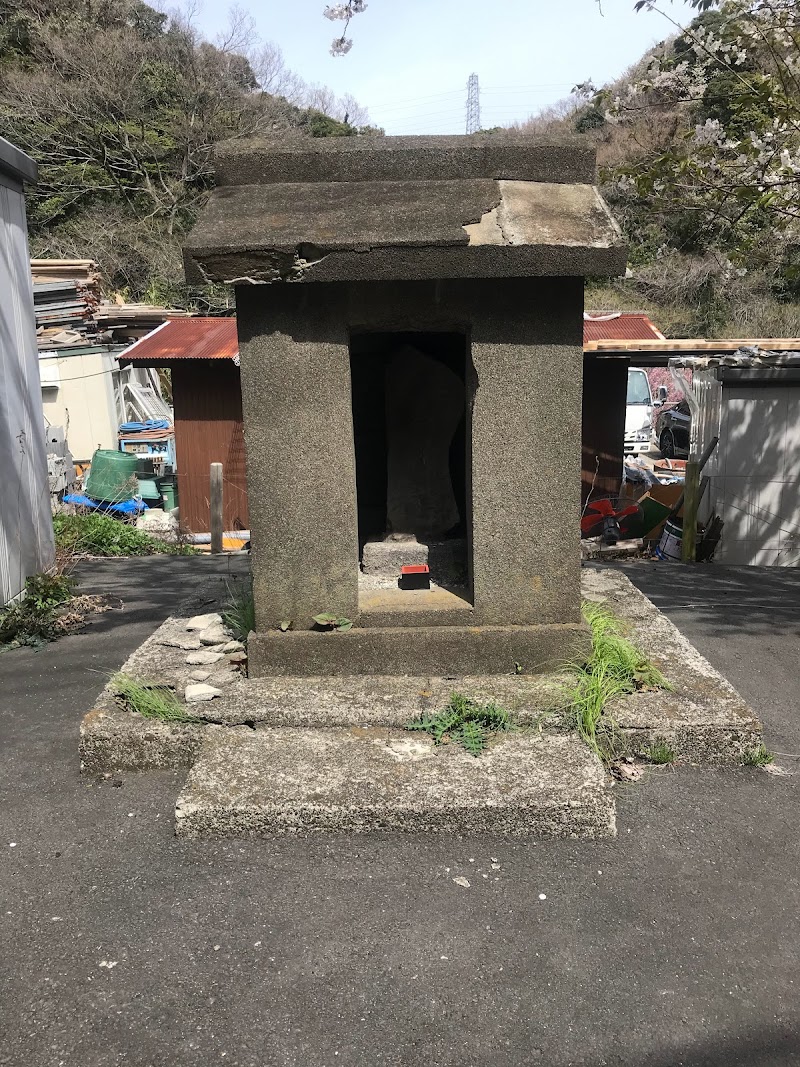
(410, 326)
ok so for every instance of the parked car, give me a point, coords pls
(638, 412)
(671, 430)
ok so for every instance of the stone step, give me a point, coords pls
(249, 782)
(375, 700)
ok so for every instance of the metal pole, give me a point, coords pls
(215, 498)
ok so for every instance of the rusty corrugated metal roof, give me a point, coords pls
(193, 338)
(619, 326)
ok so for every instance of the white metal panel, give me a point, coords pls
(26, 527)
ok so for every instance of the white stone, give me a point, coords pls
(214, 635)
(233, 646)
(195, 693)
(202, 622)
(199, 676)
(188, 644)
(204, 658)
(237, 657)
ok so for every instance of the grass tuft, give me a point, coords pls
(659, 752)
(150, 701)
(615, 667)
(757, 757)
(239, 615)
(464, 721)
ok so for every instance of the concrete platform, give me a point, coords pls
(702, 717)
(252, 782)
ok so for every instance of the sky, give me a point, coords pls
(411, 59)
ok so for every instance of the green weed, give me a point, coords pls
(659, 752)
(615, 668)
(33, 619)
(239, 615)
(150, 701)
(464, 721)
(757, 757)
(95, 534)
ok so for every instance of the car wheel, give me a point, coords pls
(667, 445)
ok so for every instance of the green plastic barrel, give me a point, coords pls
(113, 476)
(169, 491)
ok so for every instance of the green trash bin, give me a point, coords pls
(169, 491)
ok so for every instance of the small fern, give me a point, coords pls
(465, 721)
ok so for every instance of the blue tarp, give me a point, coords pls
(125, 507)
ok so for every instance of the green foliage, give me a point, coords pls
(95, 534)
(660, 752)
(239, 615)
(615, 668)
(33, 619)
(48, 590)
(464, 721)
(150, 701)
(757, 757)
(329, 621)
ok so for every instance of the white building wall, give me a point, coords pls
(78, 394)
(756, 480)
(26, 527)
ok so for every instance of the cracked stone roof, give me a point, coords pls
(403, 208)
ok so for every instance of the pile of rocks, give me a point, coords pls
(215, 657)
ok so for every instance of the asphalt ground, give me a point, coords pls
(677, 943)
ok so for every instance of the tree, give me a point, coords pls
(732, 172)
(342, 44)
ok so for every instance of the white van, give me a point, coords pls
(638, 412)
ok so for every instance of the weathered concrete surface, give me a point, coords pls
(300, 460)
(524, 376)
(367, 779)
(703, 718)
(401, 230)
(443, 158)
(388, 605)
(443, 650)
(364, 700)
(447, 559)
(114, 739)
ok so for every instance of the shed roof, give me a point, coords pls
(619, 326)
(195, 338)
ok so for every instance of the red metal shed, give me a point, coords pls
(203, 357)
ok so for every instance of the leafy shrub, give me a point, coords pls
(95, 534)
(33, 619)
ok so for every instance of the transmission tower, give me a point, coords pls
(473, 104)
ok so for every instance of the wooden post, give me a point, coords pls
(215, 499)
(691, 501)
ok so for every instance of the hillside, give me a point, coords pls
(699, 150)
(121, 105)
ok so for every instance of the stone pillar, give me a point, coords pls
(527, 364)
(295, 358)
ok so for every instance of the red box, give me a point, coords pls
(415, 576)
